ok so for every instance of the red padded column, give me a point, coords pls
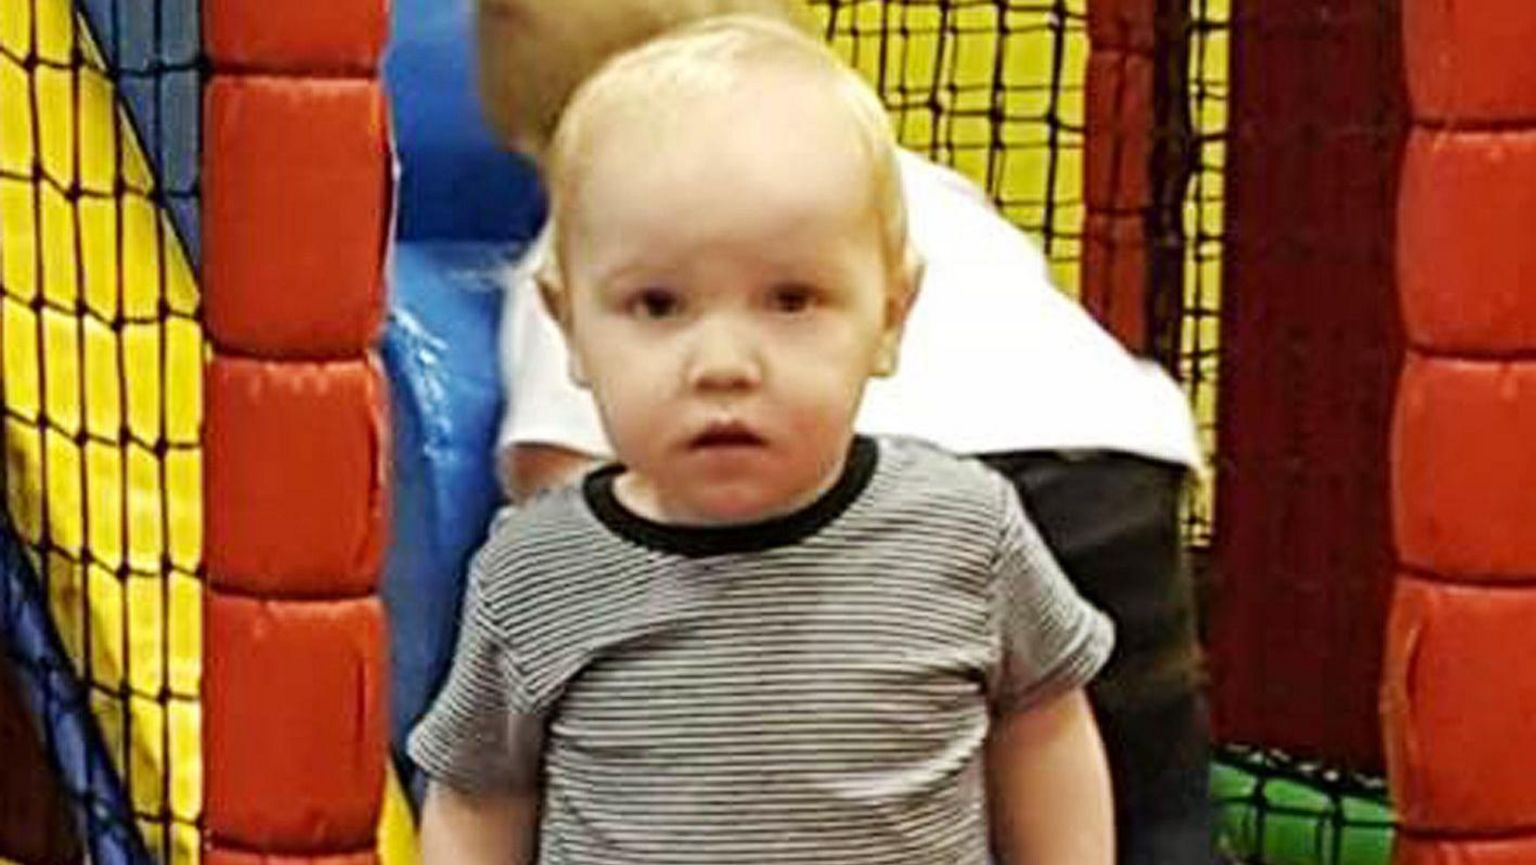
(296, 202)
(1302, 559)
(1120, 128)
(1459, 689)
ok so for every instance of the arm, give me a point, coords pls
(481, 754)
(469, 829)
(1048, 786)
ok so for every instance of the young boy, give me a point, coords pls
(1008, 368)
(1000, 364)
(756, 638)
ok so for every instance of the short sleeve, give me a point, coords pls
(1050, 639)
(474, 738)
(543, 405)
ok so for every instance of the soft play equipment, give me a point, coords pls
(251, 263)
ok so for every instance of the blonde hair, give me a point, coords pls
(532, 54)
(713, 58)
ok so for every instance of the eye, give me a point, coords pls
(792, 298)
(655, 303)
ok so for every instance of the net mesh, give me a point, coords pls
(1196, 330)
(101, 373)
(1280, 810)
(993, 89)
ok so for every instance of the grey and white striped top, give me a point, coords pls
(813, 689)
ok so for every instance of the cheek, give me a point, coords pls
(825, 391)
(628, 389)
(840, 357)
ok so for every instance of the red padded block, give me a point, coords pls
(1470, 59)
(295, 215)
(1114, 276)
(295, 476)
(1520, 850)
(1466, 263)
(1458, 705)
(1124, 24)
(1464, 468)
(294, 723)
(296, 35)
(1118, 135)
(213, 854)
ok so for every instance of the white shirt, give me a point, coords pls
(994, 359)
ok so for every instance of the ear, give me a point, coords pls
(557, 302)
(905, 281)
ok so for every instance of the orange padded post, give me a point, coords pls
(296, 201)
(1120, 128)
(1459, 691)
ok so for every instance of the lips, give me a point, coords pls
(726, 435)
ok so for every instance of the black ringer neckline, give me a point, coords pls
(700, 541)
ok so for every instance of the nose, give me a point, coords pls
(724, 357)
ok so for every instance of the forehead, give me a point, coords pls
(780, 151)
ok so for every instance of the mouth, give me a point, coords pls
(726, 435)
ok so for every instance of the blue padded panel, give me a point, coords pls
(441, 357)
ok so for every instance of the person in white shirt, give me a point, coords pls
(997, 363)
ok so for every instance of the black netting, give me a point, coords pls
(992, 88)
(1280, 810)
(101, 378)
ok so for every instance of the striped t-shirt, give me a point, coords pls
(811, 689)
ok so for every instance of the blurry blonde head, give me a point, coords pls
(533, 53)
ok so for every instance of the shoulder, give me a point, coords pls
(923, 178)
(947, 209)
(919, 459)
(929, 510)
(947, 484)
(533, 550)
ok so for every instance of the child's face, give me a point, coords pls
(729, 296)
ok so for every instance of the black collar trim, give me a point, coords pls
(702, 541)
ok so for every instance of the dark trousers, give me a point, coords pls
(1112, 520)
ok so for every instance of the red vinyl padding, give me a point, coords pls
(295, 723)
(296, 469)
(1459, 691)
(1309, 347)
(1459, 695)
(1118, 132)
(296, 202)
(221, 856)
(1128, 25)
(1465, 460)
(294, 258)
(1114, 274)
(1118, 136)
(1471, 59)
(1465, 221)
(296, 35)
(1490, 851)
